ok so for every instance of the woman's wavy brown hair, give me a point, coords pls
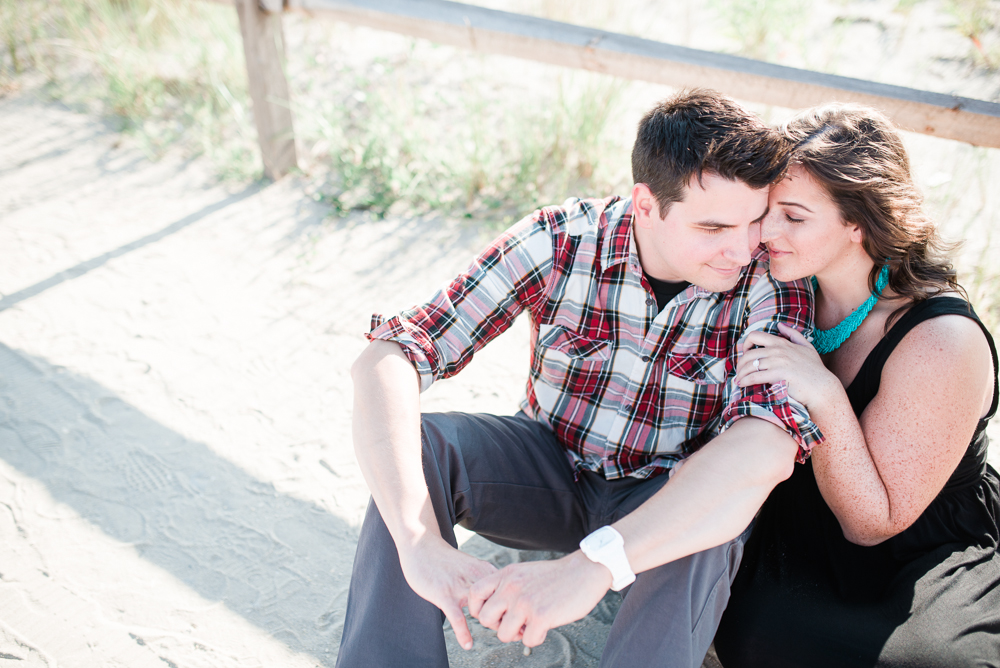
(858, 156)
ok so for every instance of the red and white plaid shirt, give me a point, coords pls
(627, 390)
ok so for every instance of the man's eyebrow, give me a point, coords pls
(720, 225)
(712, 223)
(801, 206)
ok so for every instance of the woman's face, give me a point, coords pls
(803, 229)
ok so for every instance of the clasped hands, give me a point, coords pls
(520, 602)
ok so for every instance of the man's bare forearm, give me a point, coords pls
(712, 498)
(387, 441)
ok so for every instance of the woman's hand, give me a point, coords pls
(769, 359)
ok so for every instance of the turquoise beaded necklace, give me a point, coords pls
(827, 340)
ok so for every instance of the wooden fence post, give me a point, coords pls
(263, 46)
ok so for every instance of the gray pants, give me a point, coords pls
(509, 480)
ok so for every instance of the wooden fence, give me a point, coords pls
(490, 31)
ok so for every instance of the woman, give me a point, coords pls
(882, 549)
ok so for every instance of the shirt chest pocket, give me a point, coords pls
(696, 369)
(572, 363)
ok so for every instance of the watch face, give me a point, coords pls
(602, 538)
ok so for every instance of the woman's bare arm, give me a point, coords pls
(878, 475)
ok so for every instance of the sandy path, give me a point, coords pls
(177, 485)
(176, 479)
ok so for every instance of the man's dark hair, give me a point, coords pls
(702, 131)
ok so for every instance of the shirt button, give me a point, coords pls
(650, 301)
(645, 358)
(700, 375)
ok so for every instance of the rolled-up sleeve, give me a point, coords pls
(441, 336)
(414, 342)
(772, 302)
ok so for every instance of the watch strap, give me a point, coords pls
(607, 547)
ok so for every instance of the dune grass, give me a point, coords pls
(171, 73)
(411, 129)
(979, 21)
(393, 146)
(168, 72)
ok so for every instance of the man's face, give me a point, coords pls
(706, 239)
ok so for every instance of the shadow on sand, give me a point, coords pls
(227, 535)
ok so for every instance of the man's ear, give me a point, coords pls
(644, 207)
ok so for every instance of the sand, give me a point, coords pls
(177, 483)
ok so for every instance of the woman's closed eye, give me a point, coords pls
(793, 220)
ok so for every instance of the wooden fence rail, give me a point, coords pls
(491, 31)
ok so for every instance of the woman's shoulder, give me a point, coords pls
(944, 350)
(940, 325)
(942, 322)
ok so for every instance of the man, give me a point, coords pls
(637, 309)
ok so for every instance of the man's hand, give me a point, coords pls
(523, 601)
(442, 575)
(387, 442)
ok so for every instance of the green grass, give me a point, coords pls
(386, 146)
(979, 20)
(761, 27)
(169, 71)
(416, 130)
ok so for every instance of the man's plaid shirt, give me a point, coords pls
(627, 390)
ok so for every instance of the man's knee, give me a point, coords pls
(448, 438)
(437, 431)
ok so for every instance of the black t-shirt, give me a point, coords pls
(664, 291)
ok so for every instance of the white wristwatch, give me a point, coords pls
(607, 547)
